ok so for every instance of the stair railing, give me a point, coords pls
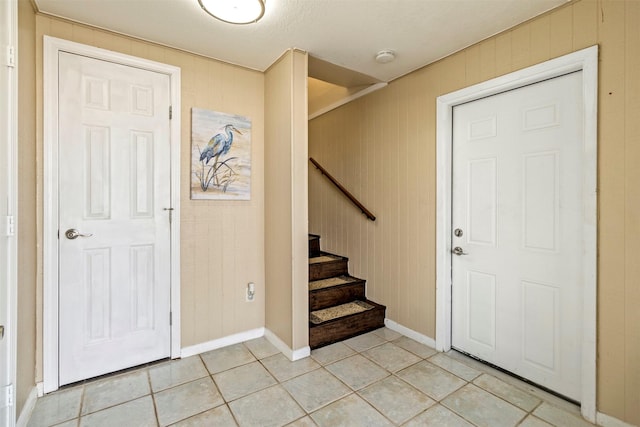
(343, 190)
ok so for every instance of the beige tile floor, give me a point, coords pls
(377, 379)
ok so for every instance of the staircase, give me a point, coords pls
(338, 307)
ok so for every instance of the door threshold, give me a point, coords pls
(539, 391)
(114, 374)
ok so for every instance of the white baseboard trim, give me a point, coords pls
(292, 355)
(605, 420)
(27, 409)
(300, 353)
(417, 336)
(192, 350)
(40, 387)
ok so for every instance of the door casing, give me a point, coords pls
(9, 210)
(587, 61)
(52, 46)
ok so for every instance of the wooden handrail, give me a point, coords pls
(344, 190)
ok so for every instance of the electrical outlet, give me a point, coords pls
(251, 291)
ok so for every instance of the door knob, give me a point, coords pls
(458, 251)
(72, 233)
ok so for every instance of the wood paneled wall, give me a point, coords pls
(222, 246)
(382, 148)
(278, 236)
(286, 236)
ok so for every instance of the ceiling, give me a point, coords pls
(347, 33)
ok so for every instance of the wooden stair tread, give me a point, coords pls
(338, 306)
(324, 258)
(330, 282)
(347, 326)
(343, 310)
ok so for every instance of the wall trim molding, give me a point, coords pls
(410, 333)
(605, 420)
(40, 388)
(27, 408)
(292, 355)
(52, 46)
(585, 60)
(348, 99)
(251, 334)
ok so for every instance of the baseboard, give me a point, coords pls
(292, 355)
(605, 420)
(27, 409)
(222, 342)
(301, 353)
(417, 336)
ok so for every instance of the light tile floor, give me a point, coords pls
(377, 379)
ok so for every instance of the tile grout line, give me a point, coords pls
(81, 403)
(350, 390)
(437, 402)
(153, 397)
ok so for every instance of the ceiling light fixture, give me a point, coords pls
(234, 11)
(385, 56)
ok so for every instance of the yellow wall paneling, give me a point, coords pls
(382, 147)
(286, 238)
(213, 276)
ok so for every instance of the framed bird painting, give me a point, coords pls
(220, 156)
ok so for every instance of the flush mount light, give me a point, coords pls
(234, 11)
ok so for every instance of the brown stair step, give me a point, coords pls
(314, 245)
(331, 282)
(334, 291)
(318, 317)
(345, 321)
(327, 265)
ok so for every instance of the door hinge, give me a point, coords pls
(11, 225)
(170, 112)
(11, 56)
(6, 396)
(170, 318)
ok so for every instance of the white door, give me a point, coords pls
(516, 218)
(114, 189)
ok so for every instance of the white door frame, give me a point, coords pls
(9, 167)
(52, 46)
(585, 60)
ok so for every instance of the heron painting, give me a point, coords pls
(220, 156)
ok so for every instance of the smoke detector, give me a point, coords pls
(385, 56)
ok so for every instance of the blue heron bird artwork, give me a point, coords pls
(220, 156)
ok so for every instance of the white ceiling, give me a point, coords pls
(344, 32)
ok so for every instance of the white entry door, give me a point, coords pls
(114, 229)
(517, 231)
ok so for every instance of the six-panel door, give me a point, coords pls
(517, 199)
(114, 156)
